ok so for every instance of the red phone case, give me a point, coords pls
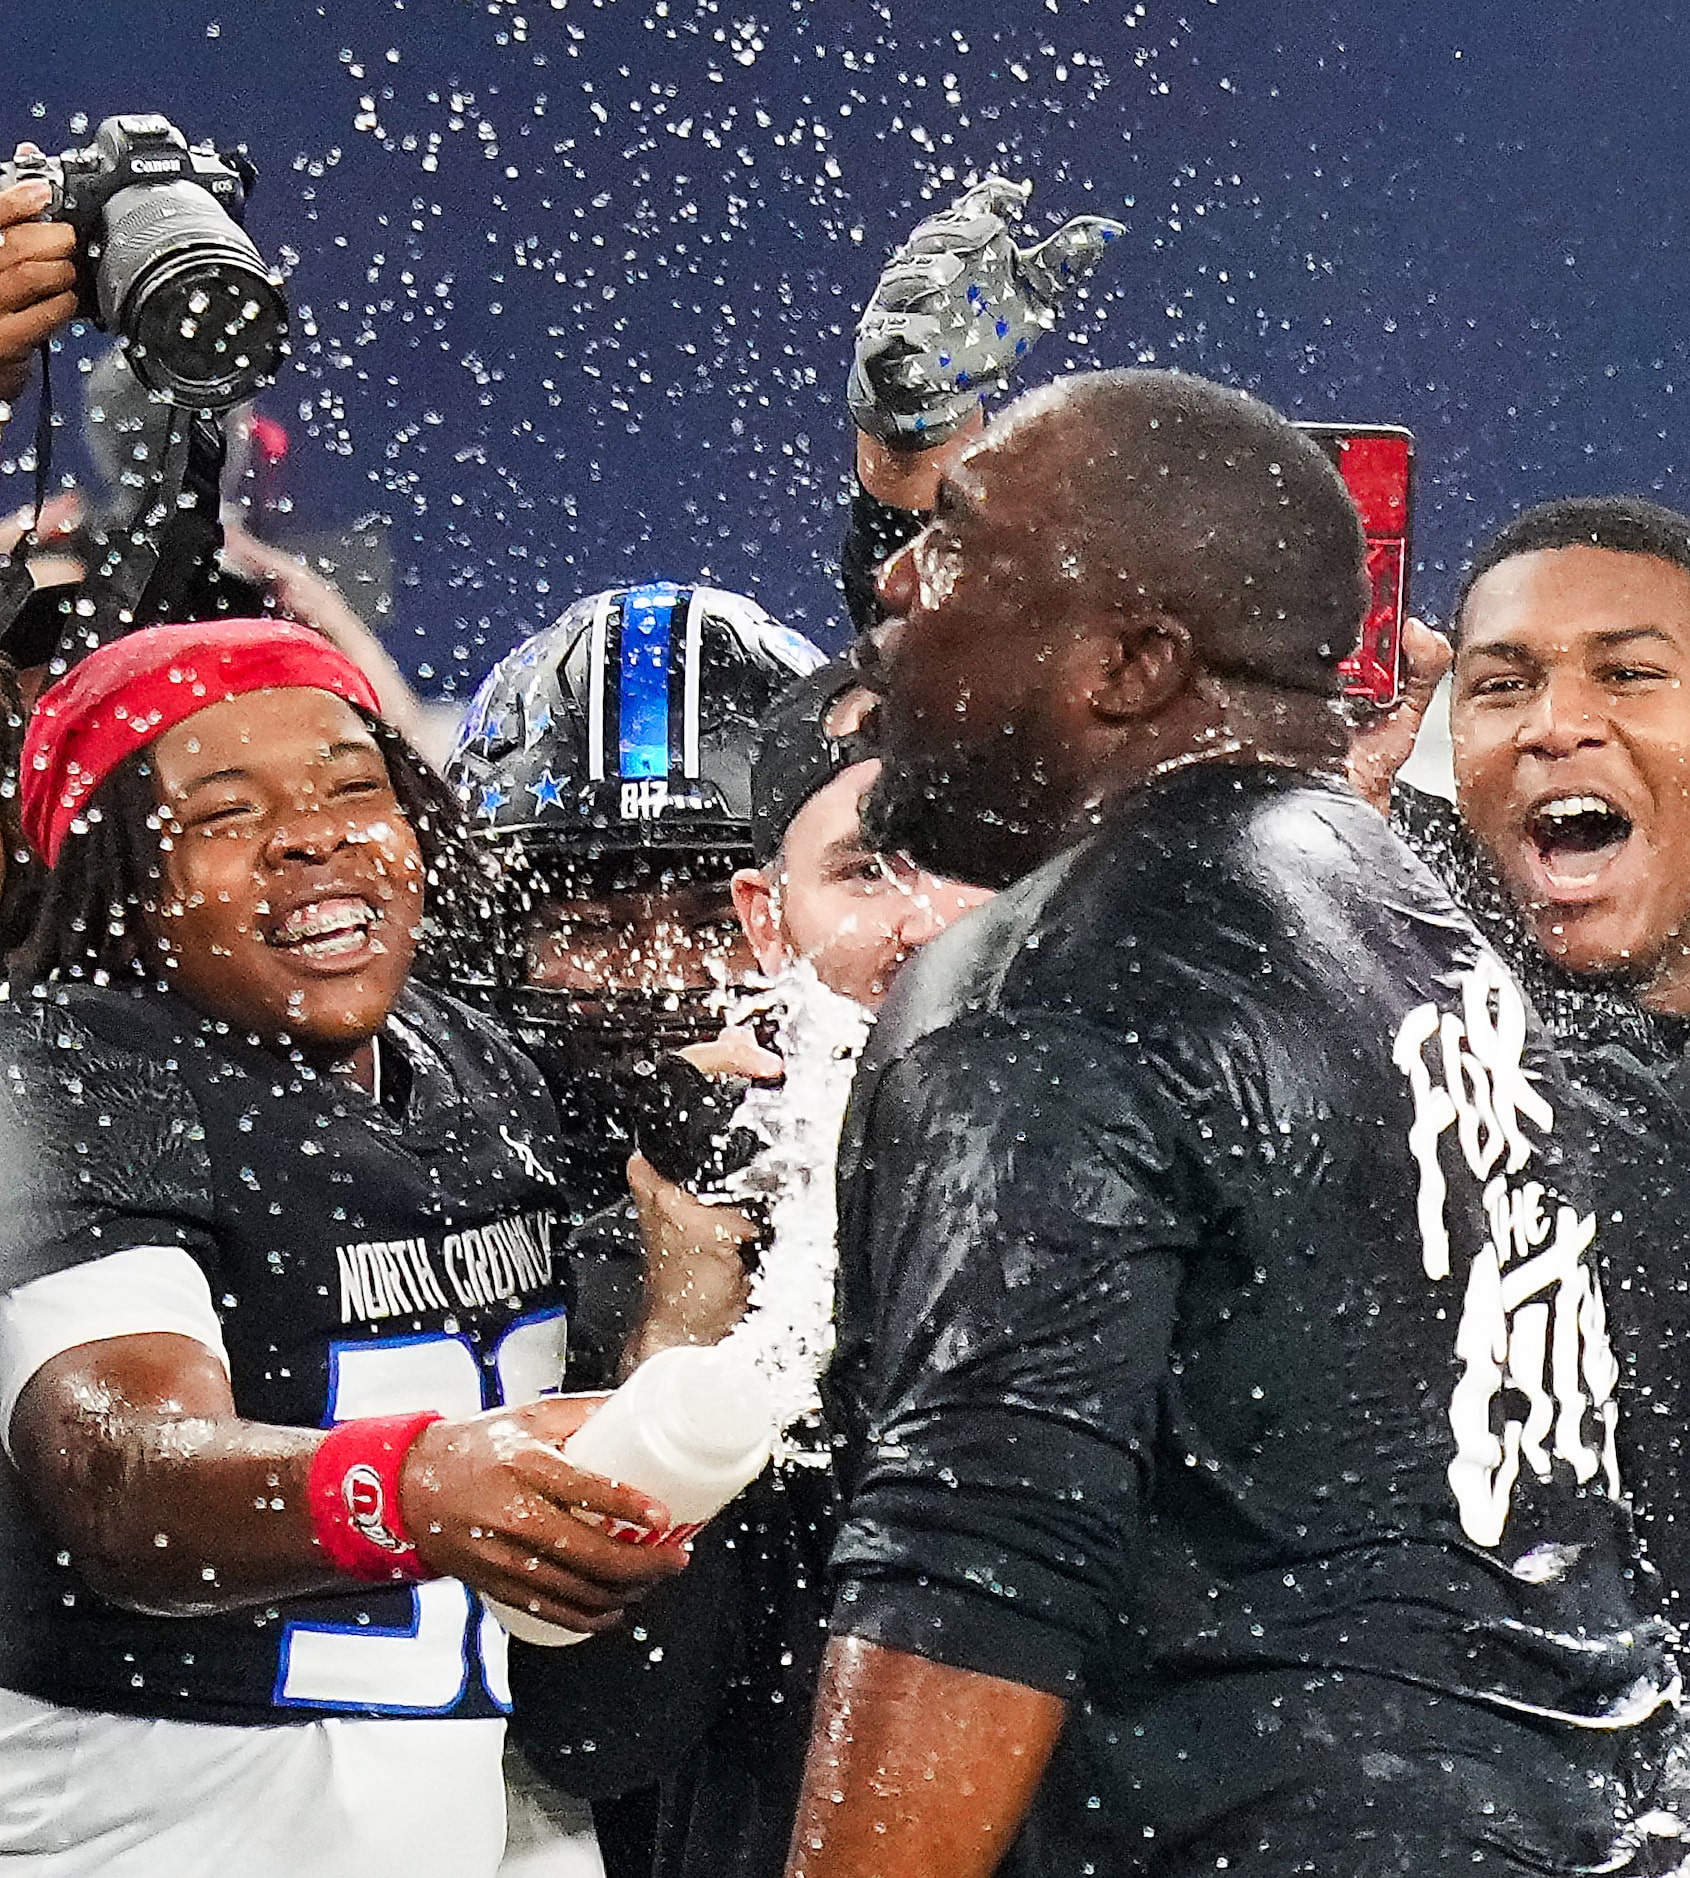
(1376, 462)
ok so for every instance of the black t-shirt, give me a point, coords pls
(361, 1261)
(1636, 1098)
(1217, 1315)
(1630, 1071)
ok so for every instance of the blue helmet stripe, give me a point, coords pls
(643, 694)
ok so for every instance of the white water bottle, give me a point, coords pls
(692, 1426)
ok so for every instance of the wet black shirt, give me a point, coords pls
(362, 1260)
(1630, 1070)
(1217, 1314)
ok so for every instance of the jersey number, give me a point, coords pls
(424, 1667)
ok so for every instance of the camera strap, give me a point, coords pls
(170, 582)
(113, 594)
(152, 564)
(17, 584)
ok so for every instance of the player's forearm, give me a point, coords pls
(183, 1517)
(169, 1501)
(909, 479)
(176, 1507)
(917, 1770)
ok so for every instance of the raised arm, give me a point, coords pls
(952, 317)
(1384, 743)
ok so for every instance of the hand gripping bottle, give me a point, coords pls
(693, 1426)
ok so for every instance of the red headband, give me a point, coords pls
(128, 694)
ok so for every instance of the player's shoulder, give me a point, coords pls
(448, 1021)
(89, 1042)
(1231, 887)
(1254, 839)
(97, 1121)
(1226, 908)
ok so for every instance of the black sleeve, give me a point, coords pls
(1433, 828)
(876, 532)
(1014, 1249)
(607, 1273)
(101, 1150)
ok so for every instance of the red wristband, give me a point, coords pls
(353, 1493)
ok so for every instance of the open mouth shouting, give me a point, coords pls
(1575, 846)
(334, 929)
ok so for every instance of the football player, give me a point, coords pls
(261, 1185)
(1570, 845)
(605, 766)
(605, 762)
(716, 1701)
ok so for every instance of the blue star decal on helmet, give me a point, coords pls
(493, 798)
(538, 726)
(547, 792)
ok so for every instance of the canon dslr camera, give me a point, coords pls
(163, 262)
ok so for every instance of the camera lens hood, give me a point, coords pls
(205, 322)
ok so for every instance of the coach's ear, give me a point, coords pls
(1143, 665)
(753, 890)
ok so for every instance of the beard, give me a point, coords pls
(970, 814)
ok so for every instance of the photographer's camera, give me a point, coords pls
(163, 262)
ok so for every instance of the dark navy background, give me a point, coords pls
(574, 282)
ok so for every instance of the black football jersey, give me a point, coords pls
(1221, 1348)
(363, 1257)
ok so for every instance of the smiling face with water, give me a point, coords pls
(292, 889)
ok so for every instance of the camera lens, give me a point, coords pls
(179, 280)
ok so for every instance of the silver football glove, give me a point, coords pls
(957, 308)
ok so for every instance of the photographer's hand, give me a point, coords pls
(37, 278)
